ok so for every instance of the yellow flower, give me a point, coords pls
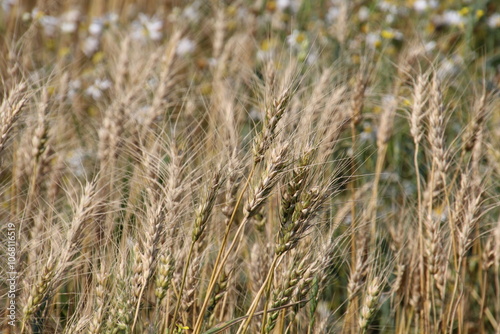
(440, 211)
(98, 57)
(297, 39)
(51, 90)
(387, 34)
(92, 111)
(271, 6)
(301, 37)
(232, 10)
(182, 327)
(50, 44)
(479, 13)
(38, 15)
(391, 50)
(367, 128)
(231, 25)
(430, 28)
(206, 89)
(464, 11)
(265, 45)
(64, 51)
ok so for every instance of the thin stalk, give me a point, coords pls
(352, 191)
(373, 202)
(183, 283)
(266, 302)
(420, 220)
(167, 312)
(136, 314)
(352, 187)
(451, 223)
(219, 261)
(452, 310)
(497, 289)
(483, 300)
(251, 311)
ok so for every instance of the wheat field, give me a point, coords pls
(285, 167)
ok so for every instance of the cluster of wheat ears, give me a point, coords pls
(258, 201)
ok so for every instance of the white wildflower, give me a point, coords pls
(36, 13)
(392, 34)
(312, 57)
(192, 12)
(154, 27)
(242, 13)
(266, 50)
(74, 87)
(452, 18)
(440, 212)
(185, 47)
(494, 21)
(140, 115)
(372, 39)
(283, 4)
(146, 27)
(90, 45)
(26, 16)
(94, 92)
(354, 44)
(292, 5)
(111, 18)
(420, 6)
(368, 134)
(152, 82)
(49, 24)
(7, 5)
(68, 27)
(255, 115)
(69, 22)
(388, 100)
(446, 69)
(429, 46)
(98, 24)
(450, 67)
(363, 14)
(385, 6)
(212, 62)
(296, 39)
(75, 161)
(333, 14)
(97, 88)
(96, 27)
